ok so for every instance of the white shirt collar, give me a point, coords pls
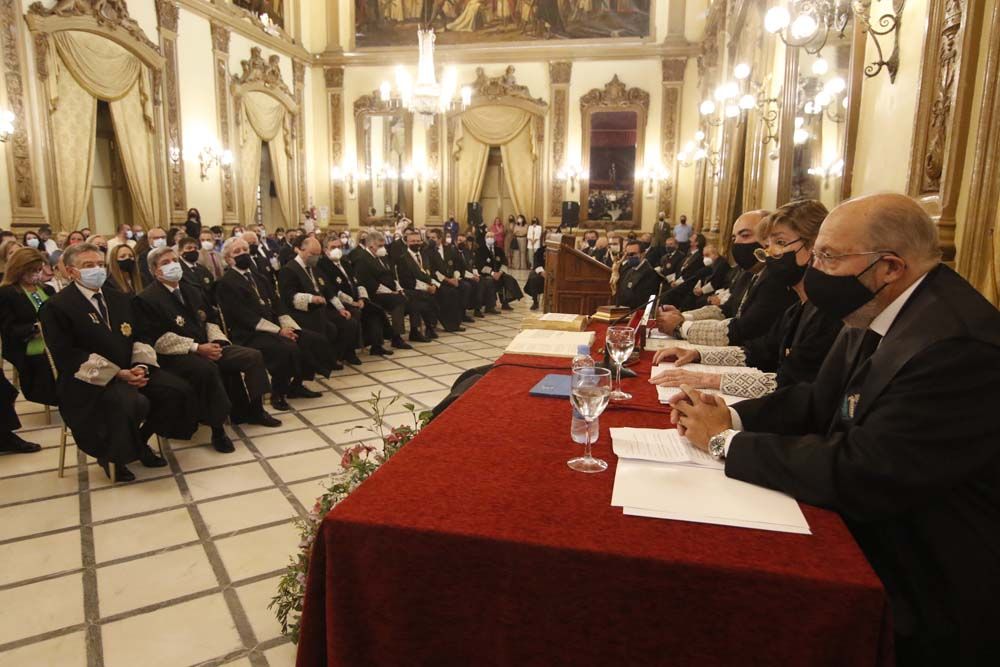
(87, 292)
(883, 321)
(298, 258)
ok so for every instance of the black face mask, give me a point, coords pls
(838, 296)
(254, 247)
(431, 243)
(743, 253)
(190, 256)
(632, 262)
(243, 262)
(415, 247)
(592, 242)
(102, 248)
(126, 265)
(785, 269)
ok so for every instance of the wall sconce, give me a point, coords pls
(348, 177)
(571, 173)
(651, 176)
(418, 175)
(6, 125)
(696, 151)
(210, 155)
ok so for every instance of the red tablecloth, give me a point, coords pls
(476, 544)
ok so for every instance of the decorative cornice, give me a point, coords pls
(242, 22)
(220, 37)
(257, 70)
(615, 94)
(109, 14)
(166, 15)
(298, 74)
(493, 88)
(334, 77)
(559, 72)
(371, 103)
(673, 69)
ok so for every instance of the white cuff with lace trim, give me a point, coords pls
(96, 370)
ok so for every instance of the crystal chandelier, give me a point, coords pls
(425, 97)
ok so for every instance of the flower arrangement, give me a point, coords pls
(358, 464)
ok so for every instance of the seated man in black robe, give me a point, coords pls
(377, 281)
(343, 291)
(195, 274)
(637, 280)
(535, 285)
(255, 318)
(444, 265)
(185, 332)
(112, 394)
(492, 264)
(418, 286)
(471, 275)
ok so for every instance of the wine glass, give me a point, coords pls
(619, 342)
(591, 388)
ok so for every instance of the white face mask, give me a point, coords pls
(158, 243)
(381, 252)
(708, 261)
(32, 243)
(172, 271)
(207, 245)
(490, 242)
(335, 254)
(139, 234)
(128, 235)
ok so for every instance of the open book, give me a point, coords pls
(545, 343)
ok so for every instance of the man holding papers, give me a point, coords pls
(896, 432)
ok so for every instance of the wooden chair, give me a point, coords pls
(15, 380)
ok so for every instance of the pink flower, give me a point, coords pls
(355, 453)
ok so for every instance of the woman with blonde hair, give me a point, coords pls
(22, 294)
(7, 249)
(123, 270)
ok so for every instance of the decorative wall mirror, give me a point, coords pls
(825, 101)
(614, 136)
(384, 143)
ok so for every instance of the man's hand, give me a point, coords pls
(682, 355)
(699, 416)
(431, 289)
(475, 277)
(288, 333)
(714, 301)
(346, 314)
(452, 281)
(668, 321)
(360, 303)
(211, 351)
(697, 291)
(669, 309)
(135, 377)
(318, 300)
(677, 377)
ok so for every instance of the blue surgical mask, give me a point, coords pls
(632, 262)
(32, 243)
(172, 271)
(93, 277)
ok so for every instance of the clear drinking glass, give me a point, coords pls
(590, 391)
(620, 342)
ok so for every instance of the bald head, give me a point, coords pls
(891, 223)
(745, 226)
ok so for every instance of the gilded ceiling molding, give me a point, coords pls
(110, 15)
(943, 107)
(615, 94)
(559, 76)
(670, 121)
(978, 256)
(242, 22)
(493, 88)
(166, 16)
(334, 79)
(220, 55)
(264, 75)
(25, 203)
(298, 86)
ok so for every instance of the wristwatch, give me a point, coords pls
(717, 443)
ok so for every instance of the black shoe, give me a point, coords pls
(479, 313)
(301, 391)
(15, 444)
(506, 306)
(223, 444)
(431, 333)
(337, 366)
(150, 459)
(264, 419)
(492, 311)
(457, 329)
(353, 360)
(279, 403)
(417, 337)
(467, 319)
(534, 305)
(379, 351)
(122, 473)
(400, 344)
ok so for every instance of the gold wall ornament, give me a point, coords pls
(560, 72)
(109, 14)
(888, 24)
(298, 85)
(559, 78)
(166, 16)
(334, 79)
(670, 120)
(492, 88)
(220, 54)
(260, 71)
(220, 38)
(433, 143)
(615, 94)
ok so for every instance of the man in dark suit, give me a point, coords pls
(711, 276)
(896, 432)
(445, 266)
(255, 318)
(342, 289)
(590, 244)
(196, 275)
(303, 291)
(157, 238)
(286, 252)
(535, 285)
(471, 275)
(377, 281)
(264, 261)
(492, 264)
(671, 259)
(112, 394)
(418, 286)
(186, 334)
(637, 280)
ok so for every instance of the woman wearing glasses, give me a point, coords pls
(794, 348)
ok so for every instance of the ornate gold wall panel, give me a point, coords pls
(298, 87)
(334, 79)
(559, 76)
(943, 107)
(433, 143)
(670, 123)
(24, 200)
(166, 17)
(220, 54)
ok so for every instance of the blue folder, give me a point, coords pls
(554, 385)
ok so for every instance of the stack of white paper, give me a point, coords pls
(702, 495)
(660, 445)
(547, 343)
(664, 393)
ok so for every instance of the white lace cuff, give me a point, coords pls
(287, 322)
(267, 326)
(171, 343)
(301, 300)
(215, 332)
(731, 355)
(704, 313)
(707, 332)
(145, 354)
(96, 370)
(748, 385)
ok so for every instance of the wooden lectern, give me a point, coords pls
(574, 282)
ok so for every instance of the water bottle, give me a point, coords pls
(578, 427)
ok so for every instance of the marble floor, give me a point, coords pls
(178, 567)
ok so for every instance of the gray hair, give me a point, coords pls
(154, 256)
(69, 254)
(227, 247)
(901, 225)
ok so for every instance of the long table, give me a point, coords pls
(477, 545)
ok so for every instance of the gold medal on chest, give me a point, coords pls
(208, 281)
(852, 404)
(320, 281)
(180, 320)
(126, 329)
(94, 318)
(629, 285)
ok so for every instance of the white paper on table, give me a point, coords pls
(663, 445)
(558, 317)
(775, 527)
(665, 393)
(702, 495)
(549, 343)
